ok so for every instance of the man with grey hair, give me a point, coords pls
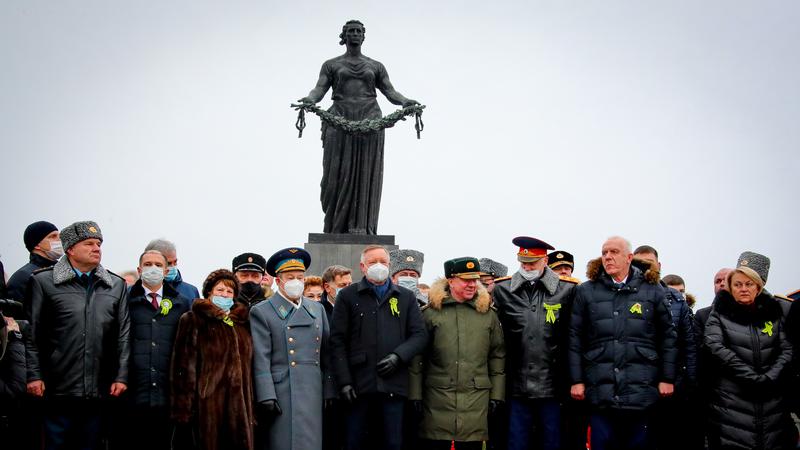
(377, 330)
(621, 347)
(173, 277)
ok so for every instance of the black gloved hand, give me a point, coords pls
(388, 365)
(417, 405)
(348, 394)
(494, 406)
(270, 408)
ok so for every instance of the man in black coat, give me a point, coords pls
(41, 240)
(622, 347)
(78, 346)
(12, 383)
(377, 329)
(155, 309)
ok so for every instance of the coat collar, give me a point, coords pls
(439, 296)
(282, 307)
(63, 272)
(641, 271)
(205, 307)
(365, 285)
(549, 280)
(40, 261)
(765, 307)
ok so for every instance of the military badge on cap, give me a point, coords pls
(405, 259)
(531, 249)
(292, 258)
(467, 268)
(560, 258)
(249, 262)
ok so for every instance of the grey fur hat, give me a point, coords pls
(405, 259)
(493, 268)
(755, 261)
(80, 231)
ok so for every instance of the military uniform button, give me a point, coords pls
(294, 363)
(291, 339)
(291, 352)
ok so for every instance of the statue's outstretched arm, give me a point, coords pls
(323, 84)
(391, 94)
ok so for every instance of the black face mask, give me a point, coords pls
(250, 289)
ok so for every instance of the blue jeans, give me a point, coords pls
(386, 410)
(542, 414)
(619, 429)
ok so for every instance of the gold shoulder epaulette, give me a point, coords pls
(569, 279)
(783, 297)
(497, 280)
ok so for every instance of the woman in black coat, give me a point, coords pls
(745, 336)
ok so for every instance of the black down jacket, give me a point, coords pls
(749, 348)
(79, 337)
(622, 341)
(535, 317)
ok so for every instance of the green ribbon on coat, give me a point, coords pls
(768, 328)
(551, 315)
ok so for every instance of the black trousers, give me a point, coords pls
(445, 445)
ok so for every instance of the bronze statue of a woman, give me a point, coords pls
(352, 163)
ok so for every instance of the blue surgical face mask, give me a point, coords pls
(172, 274)
(224, 303)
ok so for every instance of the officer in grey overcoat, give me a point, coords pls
(290, 339)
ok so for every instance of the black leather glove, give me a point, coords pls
(348, 394)
(494, 406)
(417, 405)
(270, 408)
(388, 365)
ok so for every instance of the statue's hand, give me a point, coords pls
(410, 102)
(307, 100)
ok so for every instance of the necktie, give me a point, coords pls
(154, 300)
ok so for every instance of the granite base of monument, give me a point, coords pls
(327, 249)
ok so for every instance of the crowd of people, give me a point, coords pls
(481, 358)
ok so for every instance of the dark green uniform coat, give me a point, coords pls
(462, 367)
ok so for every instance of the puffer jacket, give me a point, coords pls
(749, 347)
(687, 341)
(78, 341)
(461, 368)
(622, 341)
(535, 318)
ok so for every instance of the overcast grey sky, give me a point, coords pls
(674, 124)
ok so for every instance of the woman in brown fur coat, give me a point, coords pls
(212, 387)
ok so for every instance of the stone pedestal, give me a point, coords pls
(344, 249)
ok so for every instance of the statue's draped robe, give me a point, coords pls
(352, 165)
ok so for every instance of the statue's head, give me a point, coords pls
(352, 32)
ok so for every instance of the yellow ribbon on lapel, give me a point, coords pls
(393, 307)
(227, 321)
(166, 305)
(551, 315)
(768, 328)
(636, 309)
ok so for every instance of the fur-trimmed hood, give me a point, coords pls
(595, 270)
(440, 291)
(63, 272)
(206, 308)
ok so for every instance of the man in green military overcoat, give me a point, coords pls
(459, 380)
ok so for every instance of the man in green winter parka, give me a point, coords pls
(459, 379)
